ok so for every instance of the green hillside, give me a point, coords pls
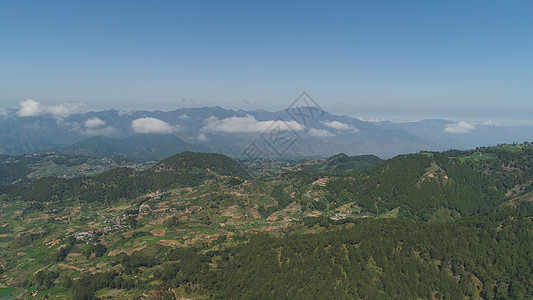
(448, 225)
(180, 170)
(24, 169)
(340, 164)
(138, 147)
(189, 161)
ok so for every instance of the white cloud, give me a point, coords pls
(405, 121)
(3, 111)
(492, 123)
(183, 117)
(92, 127)
(121, 113)
(371, 120)
(65, 109)
(94, 122)
(320, 132)
(459, 128)
(201, 137)
(248, 124)
(152, 125)
(249, 101)
(31, 108)
(340, 126)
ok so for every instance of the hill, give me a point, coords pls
(189, 161)
(340, 164)
(24, 169)
(185, 169)
(453, 224)
(452, 182)
(138, 148)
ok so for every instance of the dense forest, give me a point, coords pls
(24, 169)
(184, 169)
(488, 257)
(341, 163)
(464, 182)
(450, 225)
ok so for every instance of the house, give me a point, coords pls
(321, 182)
(144, 207)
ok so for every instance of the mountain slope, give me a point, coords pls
(340, 164)
(138, 147)
(206, 129)
(185, 169)
(458, 182)
(188, 161)
(231, 132)
(24, 169)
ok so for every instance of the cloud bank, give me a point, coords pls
(95, 126)
(371, 120)
(31, 108)
(319, 132)
(121, 113)
(247, 124)
(459, 128)
(152, 125)
(340, 126)
(94, 122)
(492, 123)
(201, 137)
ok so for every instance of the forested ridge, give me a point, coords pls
(184, 169)
(488, 257)
(24, 169)
(341, 163)
(450, 225)
(466, 182)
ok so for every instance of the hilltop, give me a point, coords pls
(340, 164)
(188, 161)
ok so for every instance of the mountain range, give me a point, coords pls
(291, 134)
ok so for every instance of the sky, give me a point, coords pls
(396, 60)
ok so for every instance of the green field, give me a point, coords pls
(8, 293)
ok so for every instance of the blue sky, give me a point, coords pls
(470, 60)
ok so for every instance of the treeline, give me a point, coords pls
(482, 256)
(341, 164)
(13, 172)
(465, 182)
(107, 187)
(15, 169)
(186, 169)
(192, 161)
